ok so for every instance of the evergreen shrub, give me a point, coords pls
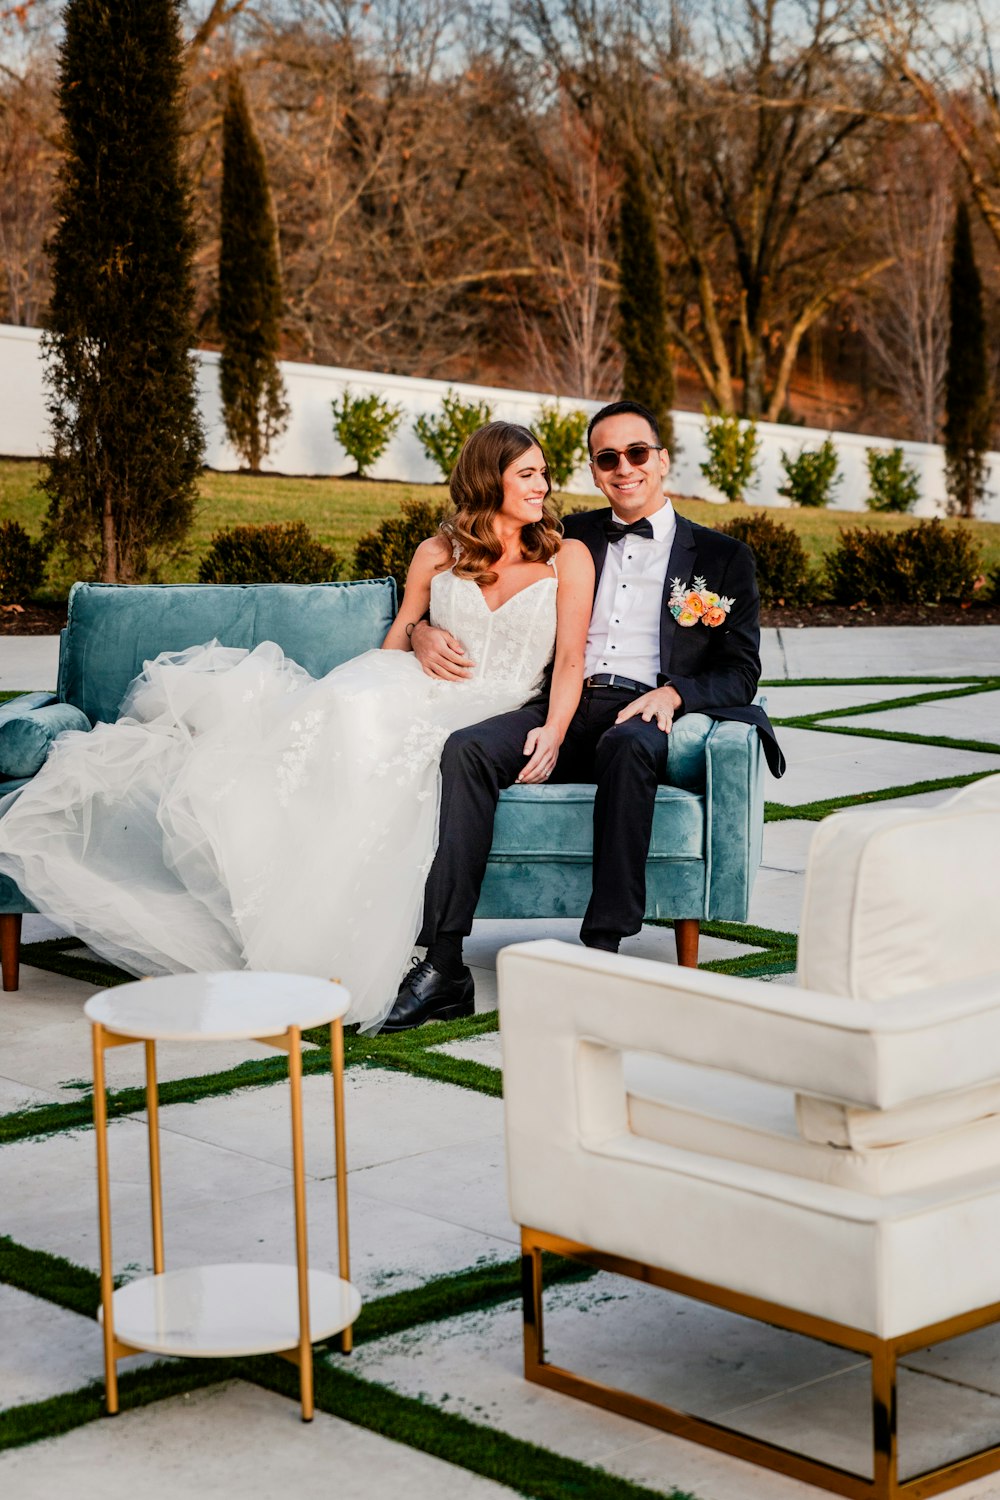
(733, 447)
(278, 552)
(811, 478)
(892, 484)
(442, 437)
(563, 438)
(127, 440)
(254, 404)
(22, 563)
(925, 564)
(647, 361)
(364, 426)
(783, 573)
(386, 551)
(968, 398)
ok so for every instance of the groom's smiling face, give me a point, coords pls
(633, 490)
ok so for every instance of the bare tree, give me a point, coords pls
(904, 315)
(949, 65)
(28, 159)
(758, 125)
(565, 314)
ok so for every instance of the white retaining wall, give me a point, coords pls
(309, 447)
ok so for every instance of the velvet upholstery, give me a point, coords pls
(706, 828)
(112, 629)
(25, 738)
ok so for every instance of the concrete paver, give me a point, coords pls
(230, 1440)
(974, 718)
(428, 1197)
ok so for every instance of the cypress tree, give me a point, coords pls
(648, 375)
(967, 394)
(126, 436)
(253, 397)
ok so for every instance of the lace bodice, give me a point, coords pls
(512, 644)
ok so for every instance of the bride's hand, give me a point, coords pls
(542, 745)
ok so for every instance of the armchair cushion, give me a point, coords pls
(900, 901)
(25, 738)
(843, 1125)
(741, 1120)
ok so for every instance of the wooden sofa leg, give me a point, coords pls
(10, 948)
(686, 933)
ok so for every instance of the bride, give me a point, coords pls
(241, 814)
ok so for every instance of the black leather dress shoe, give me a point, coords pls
(426, 995)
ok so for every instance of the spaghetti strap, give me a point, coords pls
(552, 565)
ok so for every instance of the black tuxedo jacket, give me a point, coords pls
(715, 670)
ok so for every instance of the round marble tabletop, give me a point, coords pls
(225, 1006)
(227, 1311)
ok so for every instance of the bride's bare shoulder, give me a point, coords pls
(433, 554)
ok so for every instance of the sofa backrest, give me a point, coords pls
(112, 629)
(898, 901)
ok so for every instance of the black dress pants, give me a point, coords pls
(627, 761)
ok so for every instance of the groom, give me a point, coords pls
(646, 664)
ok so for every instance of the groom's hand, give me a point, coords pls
(661, 704)
(440, 653)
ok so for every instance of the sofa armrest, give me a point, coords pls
(24, 703)
(27, 737)
(734, 818)
(562, 1008)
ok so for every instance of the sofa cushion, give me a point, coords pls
(897, 901)
(112, 628)
(25, 738)
(532, 821)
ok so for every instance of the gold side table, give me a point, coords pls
(222, 1311)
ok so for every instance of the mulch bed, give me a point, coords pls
(790, 617)
(49, 619)
(32, 619)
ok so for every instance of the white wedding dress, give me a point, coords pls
(241, 814)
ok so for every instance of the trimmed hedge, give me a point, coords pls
(22, 563)
(783, 574)
(386, 551)
(277, 552)
(925, 564)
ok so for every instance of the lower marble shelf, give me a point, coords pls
(230, 1310)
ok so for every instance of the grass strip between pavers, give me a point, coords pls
(813, 812)
(777, 682)
(34, 1421)
(885, 705)
(78, 1289)
(937, 741)
(526, 1467)
(413, 1052)
(522, 1466)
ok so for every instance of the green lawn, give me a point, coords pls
(339, 511)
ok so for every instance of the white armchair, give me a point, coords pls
(824, 1157)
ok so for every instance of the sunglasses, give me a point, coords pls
(637, 454)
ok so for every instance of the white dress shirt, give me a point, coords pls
(624, 635)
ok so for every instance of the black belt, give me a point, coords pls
(612, 680)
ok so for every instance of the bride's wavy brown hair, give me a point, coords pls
(476, 486)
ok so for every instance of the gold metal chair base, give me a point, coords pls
(885, 1483)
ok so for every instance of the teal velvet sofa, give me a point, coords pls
(707, 827)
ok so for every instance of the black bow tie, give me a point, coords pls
(614, 530)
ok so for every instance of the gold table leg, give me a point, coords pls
(104, 1219)
(301, 1242)
(153, 1124)
(340, 1164)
